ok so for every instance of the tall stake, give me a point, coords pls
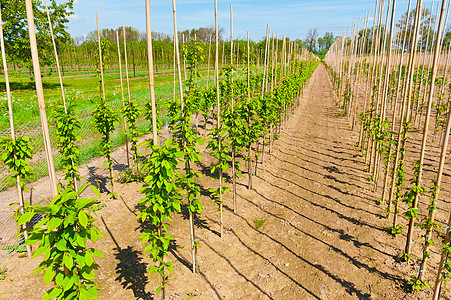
(177, 54)
(55, 52)
(40, 96)
(219, 112)
(11, 123)
(151, 73)
(122, 94)
(103, 91)
(59, 73)
(233, 104)
(425, 130)
(208, 69)
(128, 89)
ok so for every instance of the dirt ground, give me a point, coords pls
(323, 236)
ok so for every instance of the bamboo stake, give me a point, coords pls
(442, 156)
(40, 96)
(425, 128)
(387, 170)
(103, 89)
(177, 54)
(151, 72)
(208, 68)
(233, 104)
(55, 52)
(444, 257)
(385, 86)
(59, 72)
(249, 164)
(128, 90)
(219, 113)
(405, 108)
(11, 123)
(123, 99)
(264, 64)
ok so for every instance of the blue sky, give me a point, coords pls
(290, 17)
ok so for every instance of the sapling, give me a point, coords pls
(66, 124)
(105, 120)
(131, 112)
(187, 137)
(161, 190)
(62, 236)
(16, 152)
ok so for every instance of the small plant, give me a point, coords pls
(416, 284)
(191, 295)
(131, 175)
(3, 273)
(17, 248)
(395, 230)
(260, 223)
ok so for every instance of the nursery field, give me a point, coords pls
(147, 165)
(309, 229)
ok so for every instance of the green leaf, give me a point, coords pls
(52, 293)
(96, 191)
(83, 218)
(54, 223)
(48, 275)
(26, 217)
(68, 261)
(88, 259)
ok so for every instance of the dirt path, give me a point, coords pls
(323, 236)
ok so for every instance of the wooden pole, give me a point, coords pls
(444, 257)
(128, 90)
(426, 128)
(151, 73)
(11, 123)
(219, 113)
(40, 96)
(103, 89)
(122, 95)
(177, 54)
(399, 157)
(208, 68)
(55, 52)
(397, 92)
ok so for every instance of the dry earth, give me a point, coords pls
(323, 236)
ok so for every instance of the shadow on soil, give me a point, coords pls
(131, 270)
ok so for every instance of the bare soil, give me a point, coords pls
(323, 236)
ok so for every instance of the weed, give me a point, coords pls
(3, 273)
(260, 222)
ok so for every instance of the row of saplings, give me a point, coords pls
(247, 116)
(379, 142)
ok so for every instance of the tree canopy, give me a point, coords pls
(15, 29)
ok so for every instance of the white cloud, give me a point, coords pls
(75, 2)
(74, 18)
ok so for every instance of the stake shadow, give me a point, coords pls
(347, 285)
(198, 222)
(185, 262)
(131, 270)
(352, 220)
(235, 269)
(99, 181)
